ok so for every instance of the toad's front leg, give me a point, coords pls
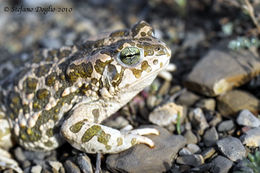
(83, 131)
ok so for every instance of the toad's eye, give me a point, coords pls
(130, 56)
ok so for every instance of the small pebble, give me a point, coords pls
(36, 169)
(193, 148)
(221, 165)
(246, 118)
(56, 166)
(208, 104)
(198, 120)
(191, 138)
(210, 137)
(187, 98)
(192, 160)
(166, 114)
(71, 167)
(225, 126)
(251, 138)
(84, 163)
(217, 118)
(207, 153)
(185, 151)
(232, 148)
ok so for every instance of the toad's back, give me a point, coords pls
(42, 91)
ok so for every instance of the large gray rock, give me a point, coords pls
(140, 158)
(232, 148)
(222, 70)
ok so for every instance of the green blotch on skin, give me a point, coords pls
(36, 106)
(37, 57)
(15, 103)
(83, 70)
(30, 85)
(98, 43)
(119, 141)
(96, 130)
(94, 81)
(121, 33)
(100, 65)
(29, 135)
(63, 54)
(43, 94)
(137, 72)
(48, 144)
(50, 80)
(130, 56)
(90, 133)
(118, 77)
(133, 141)
(51, 55)
(49, 132)
(75, 128)
(41, 99)
(145, 66)
(43, 70)
(139, 26)
(103, 137)
(44, 117)
(143, 34)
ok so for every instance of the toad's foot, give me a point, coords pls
(94, 138)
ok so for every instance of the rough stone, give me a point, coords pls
(192, 160)
(185, 151)
(234, 101)
(208, 152)
(216, 120)
(56, 166)
(141, 158)
(225, 126)
(84, 163)
(208, 104)
(71, 167)
(221, 165)
(232, 148)
(191, 138)
(187, 98)
(198, 120)
(252, 137)
(166, 114)
(222, 70)
(246, 118)
(194, 148)
(210, 137)
(36, 169)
